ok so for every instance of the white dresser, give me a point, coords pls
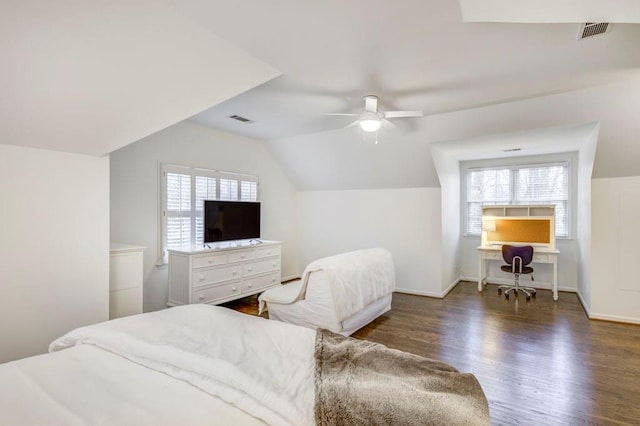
(125, 280)
(223, 271)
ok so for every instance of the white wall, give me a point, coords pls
(54, 260)
(585, 169)
(615, 284)
(135, 180)
(449, 176)
(404, 221)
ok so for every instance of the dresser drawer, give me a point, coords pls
(494, 255)
(210, 260)
(242, 255)
(212, 294)
(263, 281)
(268, 251)
(260, 267)
(541, 258)
(212, 276)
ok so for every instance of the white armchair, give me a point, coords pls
(341, 293)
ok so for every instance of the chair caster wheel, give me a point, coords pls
(528, 298)
(506, 296)
(515, 293)
(533, 294)
(499, 291)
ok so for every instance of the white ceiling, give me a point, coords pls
(550, 11)
(413, 54)
(468, 78)
(91, 77)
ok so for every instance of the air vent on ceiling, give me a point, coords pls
(241, 119)
(591, 29)
(511, 149)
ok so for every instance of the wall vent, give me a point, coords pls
(511, 149)
(591, 29)
(240, 119)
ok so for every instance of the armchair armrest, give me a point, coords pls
(283, 295)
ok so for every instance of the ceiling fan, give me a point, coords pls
(370, 120)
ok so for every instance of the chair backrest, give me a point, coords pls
(523, 252)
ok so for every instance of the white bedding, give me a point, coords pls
(265, 368)
(86, 385)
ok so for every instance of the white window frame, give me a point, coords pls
(513, 167)
(195, 172)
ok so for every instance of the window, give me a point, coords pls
(523, 184)
(184, 190)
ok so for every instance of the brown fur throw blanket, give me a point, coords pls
(363, 383)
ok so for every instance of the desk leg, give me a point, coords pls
(481, 268)
(555, 278)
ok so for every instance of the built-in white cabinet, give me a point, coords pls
(220, 272)
(125, 280)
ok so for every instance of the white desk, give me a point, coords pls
(540, 255)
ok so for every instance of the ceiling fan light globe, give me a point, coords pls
(370, 125)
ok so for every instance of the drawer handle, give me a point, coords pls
(242, 256)
(201, 278)
(273, 280)
(201, 297)
(234, 289)
(250, 285)
(273, 264)
(249, 269)
(233, 272)
(268, 253)
(210, 260)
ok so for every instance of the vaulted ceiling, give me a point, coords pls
(91, 77)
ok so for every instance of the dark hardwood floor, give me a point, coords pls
(539, 363)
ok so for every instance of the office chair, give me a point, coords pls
(517, 258)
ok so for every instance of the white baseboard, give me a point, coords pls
(586, 307)
(605, 317)
(429, 293)
(419, 293)
(451, 286)
(526, 283)
(614, 318)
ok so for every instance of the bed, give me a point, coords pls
(202, 364)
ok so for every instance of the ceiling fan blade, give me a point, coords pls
(402, 114)
(355, 123)
(339, 114)
(371, 103)
(387, 124)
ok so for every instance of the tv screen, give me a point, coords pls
(231, 220)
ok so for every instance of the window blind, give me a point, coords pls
(527, 184)
(184, 190)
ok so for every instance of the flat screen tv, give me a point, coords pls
(231, 220)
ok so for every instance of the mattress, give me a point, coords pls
(88, 385)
